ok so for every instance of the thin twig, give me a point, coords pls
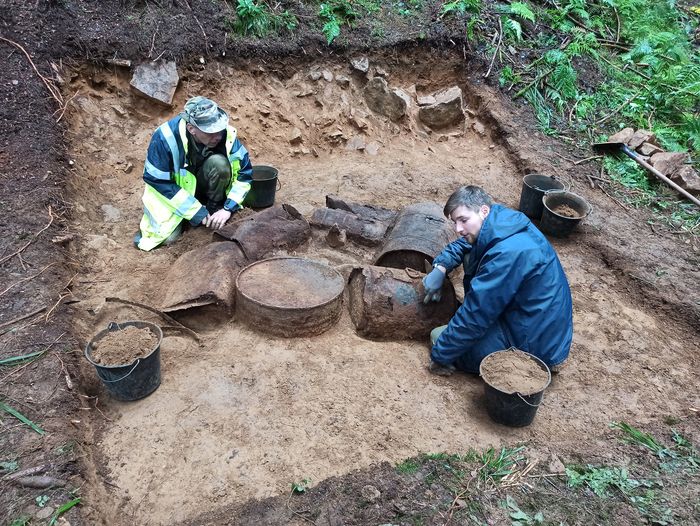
(206, 41)
(16, 253)
(592, 158)
(537, 79)
(23, 317)
(498, 45)
(55, 92)
(617, 110)
(26, 279)
(61, 297)
(156, 311)
(65, 106)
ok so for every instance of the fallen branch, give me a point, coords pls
(537, 79)
(498, 46)
(23, 317)
(18, 252)
(156, 311)
(26, 279)
(53, 90)
(617, 110)
(27, 472)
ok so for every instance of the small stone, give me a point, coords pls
(295, 136)
(342, 81)
(426, 100)
(381, 72)
(555, 465)
(649, 149)
(305, 150)
(315, 75)
(640, 137)
(356, 143)
(201, 60)
(44, 513)
(336, 238)
(111, 213)
(119, 110)
(129, 167)
(15, 82)
(370, 493)
(372, 148)
(668, 162)
(327, 75)
(622, 136)
(360, 64)
(479, 128)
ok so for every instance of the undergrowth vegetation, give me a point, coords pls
(651, 482)
(587, 68)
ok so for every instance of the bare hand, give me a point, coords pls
(217, 219)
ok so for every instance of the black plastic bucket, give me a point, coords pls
(130, 381)
(561, 225)
(263, 188)
(534, 188)
(513, 409)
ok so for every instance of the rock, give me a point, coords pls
(668, 162)
(111, 213)
(446, 111)
(555, 465)
(327, 75)
(360, 64)
(372, 148)
(381, 99)
(370, 493)
(479, 128)
(44, 513)
(688, 179)
(336, 237)
(381, 72)
(622, 136)
(315, 75)
(648, 149)
(156, 81)
(119, 110)
(426, 100)
(295, 136)
(640, 137)
(128, 168)
(356, 143)
(342, 81)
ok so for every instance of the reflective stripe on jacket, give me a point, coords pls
(169, 194)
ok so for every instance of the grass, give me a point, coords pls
(19, 416)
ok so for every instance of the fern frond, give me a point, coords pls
(522, 10)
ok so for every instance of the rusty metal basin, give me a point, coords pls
(289, 296)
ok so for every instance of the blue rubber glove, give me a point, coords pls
(433, 285)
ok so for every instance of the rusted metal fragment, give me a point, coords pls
(361, 230)
(277, 227)
(204, 276)
(419, 234)
(387, 303)
(377, 213)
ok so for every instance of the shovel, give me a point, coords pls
(616, 147)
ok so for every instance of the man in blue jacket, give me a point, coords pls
(515, 290)
(196, 170)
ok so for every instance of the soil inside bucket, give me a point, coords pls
(514, 372)
(566, 211)
(124, 346)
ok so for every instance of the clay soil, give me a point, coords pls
(124, 346)
(514, 372)
(240, 415)
(566, 211)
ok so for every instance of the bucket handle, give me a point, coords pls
(279, 184)
(528, 403)
(127, 374)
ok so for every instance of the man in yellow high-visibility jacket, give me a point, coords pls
(196, 169)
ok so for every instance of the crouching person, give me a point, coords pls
(515, 290)
(196, 170)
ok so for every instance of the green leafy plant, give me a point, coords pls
(497, 464)
(335, 13)
(24, 520)
(407, 467)
(518, 516)
(255, 18)
(19, 416)
(41, 500)
(460, 7)
(8, 466)
(62, 509)
(301, 487)
(635, 436)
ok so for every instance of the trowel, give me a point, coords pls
(617, 147)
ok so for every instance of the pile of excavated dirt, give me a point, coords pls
(514, 372)
(123, 347)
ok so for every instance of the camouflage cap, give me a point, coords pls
(205, 114)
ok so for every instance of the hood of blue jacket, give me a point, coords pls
(500, 224)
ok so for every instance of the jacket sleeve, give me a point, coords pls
(491, 290)
(241, 176)
(453, 254)
(157, 173)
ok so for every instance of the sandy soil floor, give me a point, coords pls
(242, 414)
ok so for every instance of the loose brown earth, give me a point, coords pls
(241, 415)
(566, 211)
(123, 346)
(514, 372)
